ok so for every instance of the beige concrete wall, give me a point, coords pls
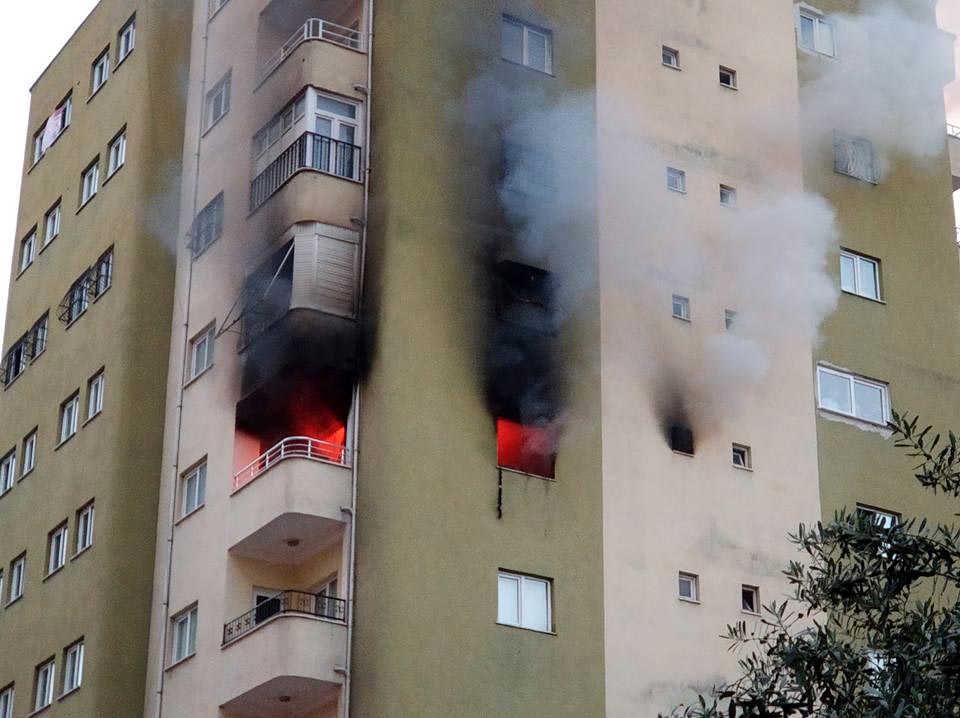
(664, 512)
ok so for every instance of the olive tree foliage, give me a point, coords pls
(872, 628)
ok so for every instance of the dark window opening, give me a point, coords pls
(525, 448)
(267, 293)
(524, 296)
(681, 439)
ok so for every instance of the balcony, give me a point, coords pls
(953, 140)
(309, 153)
(313, 29)
(285, 603)
(294, 447)
(286, 665)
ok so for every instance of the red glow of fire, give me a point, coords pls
(530, 449)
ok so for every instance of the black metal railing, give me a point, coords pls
(309, 151)
(311, 604)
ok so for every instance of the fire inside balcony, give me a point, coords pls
(522, 385)
(302, 303)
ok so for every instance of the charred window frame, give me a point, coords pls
(207, 227)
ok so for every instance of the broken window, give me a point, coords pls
(681, 439)
(267, 293)
(525, 448)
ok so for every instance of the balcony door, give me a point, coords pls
(337, 125)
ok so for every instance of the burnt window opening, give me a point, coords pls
(527, 448)
(526, 170)
(525, 296)
(267, 293)
(681, 439)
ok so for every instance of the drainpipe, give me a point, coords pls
(356, 390)
(183, 378)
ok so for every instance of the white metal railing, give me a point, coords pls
(293, 447)
(313, 29)
(953, 130)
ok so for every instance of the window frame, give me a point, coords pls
(679, 187)
(8, 471)
(84, 527)
(6, 695)
(212, 216)
(853, 380)
(57, 542)
(223, 89)
(521, 580)
(732, 74)
(73, 656)
(100, 65)
(894, 517)
(42, 701)
(819, 19)
(730, 192)
(857, 259)
(90, 187)
(116, 153)
(527, 29)
(206, 338)
(27, 259)
(746, 589)
(694, 580)
(189, 617)
(842, 141)
(73, 402)
(126, 39)
(685, 314)
(51, 219)
(674, 54)
(192, 499)
(746, 452)
(29, 451)
(17, 578)
(95, 391)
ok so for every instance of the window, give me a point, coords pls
(18, 569)
(8, 470)
(193, 489)
(676, 180)
(29, 453)
(53, 128)
(859, 275)
(681, 307)
(68, 417)
(689, 587)
(524, 602)
(527, 45)
(100, 71)
(77, 300)
(671, 57)
(38, 336)
(201, 351)
(881, 519)
(84, 528)
(184, 635)
(527, 170)
(72, 667)
(279, 126)
(526, 448)
(750, 599)
(43, 685)
(6, 696)
(208, 226)
(218, 101)
(51, 224)
(57, 548)
(728, 77)
(126, 39)
(845, 393)
(101, 278)
(90, 182)
(15, 360)
(28, 249)
(95, 395)
(728, 196)
(854, 157)
(742, 456)
(336, 122)
(117, 153)
(729, 319)
(816, 33)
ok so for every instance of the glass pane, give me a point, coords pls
(835, 393)
(807, 32)
(686, 587)
(848, 279)
(348, 134)
(535, 604)
(324, 127)
(869, 402)
(825, 38)
(335, 107)
(868, 279)
(536, 51)
(512, 48)
(508, 610)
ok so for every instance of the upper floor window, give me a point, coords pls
(72, 667)
(208, 226)
(193, 489)
(18, 570)
(527, 170)
(524, 601)
(95, 387)
(817, 33)
(184, 642)
(6, 696)
(688, 587)
(859, 275)
(57, 548)
(102, 274)
(53, 127)
(117, 153)
(26, 349)
(8, 470)
(77, 299)
(854, 157)
(881, 519)
(51, 224)
(681, 307)
(29, 453)
(201, 351)
(84, 528)
(853, 396)
(728, 77)
(90, 182)
(69, 414)
(527, 44)
(43, 684)
(676, 180)
(100, 71)
(28, 249)
(218, 101)
(280, 126)
(126, 39)
(670, 57)
(728, 196)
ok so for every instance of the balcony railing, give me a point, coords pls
(310, 151)
(286, 602)
(312, 29)
(953, 130)
(293, 447)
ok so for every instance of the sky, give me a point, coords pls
(25, 52)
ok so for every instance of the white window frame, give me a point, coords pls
(820, 21)
(673, 55)
(51, 223)
(881, 518)
(18, 571)
(7, 694)
(843, 143)
(857, 260)
(29, 453)
(99, 72)
(207, 225)
(676, 180)
(73, 667)
(744, 451)
(683, 303)
(193, 489)
(85, 517)
(528, 30)
(217, 98)
(95, 389)
(90, 182)
(117, 153)
(8, 471)
(28, 249)
(755, 592)
(521, 581)
(46, 674)
(853, 380)
(694, 581)
(731, 73)
(69, 417)
(57, 542)
(728, 195)
(127, 39)
(184, 630)
(202, 348)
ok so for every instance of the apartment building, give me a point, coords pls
(84, 364)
